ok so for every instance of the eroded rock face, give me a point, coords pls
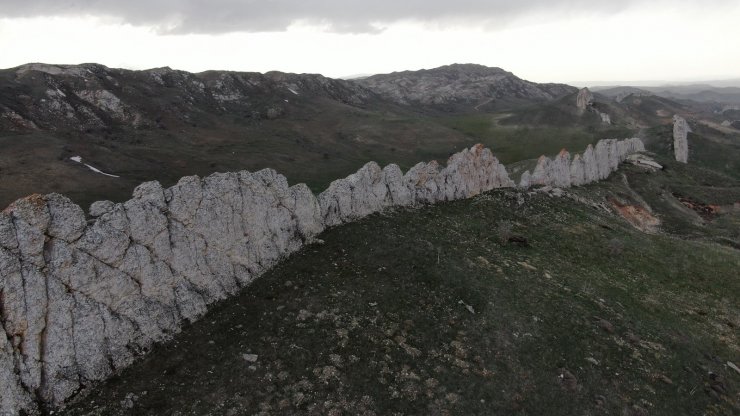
(468, 173)
(596, 163)
(81, 298)
(584, 99)
(681, 132)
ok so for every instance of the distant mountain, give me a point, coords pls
(92, 96)
(702, 93)
(164, 124)
(462, 87)
(620, 93)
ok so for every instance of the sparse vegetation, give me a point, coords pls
(425, 312)
(504, 231)
(616, 247)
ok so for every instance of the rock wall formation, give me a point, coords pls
(595, 164)
(681, 132)
(81, 297)
(584, 98)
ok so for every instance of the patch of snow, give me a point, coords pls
(293, 91)
(100, 171)
(78, 159)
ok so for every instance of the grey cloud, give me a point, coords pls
(348, 16)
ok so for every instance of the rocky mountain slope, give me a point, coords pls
(92, 96)
(462, 87)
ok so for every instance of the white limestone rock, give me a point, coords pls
(602, 156)
(645, 162)
(67, 218)
(471, 172)
(681, 131)
(590, 166)
(525, 181)
(13, 398)
(577, 171)
(31, 219)
(400, 194)
(422, 181)
(8, 238)
(541, 173)
(99, 208)
(584, 99)
(560, 170)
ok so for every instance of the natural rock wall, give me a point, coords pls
(681, 132)
(584, 98)
(595, 164)
(81, 297)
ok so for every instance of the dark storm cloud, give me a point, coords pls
(353, 16)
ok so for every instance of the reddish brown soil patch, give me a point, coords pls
(636, 215)
(706, 211)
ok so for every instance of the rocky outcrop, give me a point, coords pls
(681, 132)
(585, 102)
(372, 189)
(644, 162)
(584, 99)
(83, 295)
(81, 300)
(595, 164)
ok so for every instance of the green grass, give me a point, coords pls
(512, 143)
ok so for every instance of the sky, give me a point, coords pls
(574, 41)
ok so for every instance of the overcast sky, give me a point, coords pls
(541, 40)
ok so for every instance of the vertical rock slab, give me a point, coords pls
(560, 170)
(422, 181)
(590, 166)
(306, 211)
(400, 194)
(541, 173)
(601, 154)
(584, 99)
(681, 132)
(526, 180)
(13, 397)
(468, 173)
(577, 171)
(8, 237)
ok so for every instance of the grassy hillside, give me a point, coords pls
(513, 142)
(426, 312)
